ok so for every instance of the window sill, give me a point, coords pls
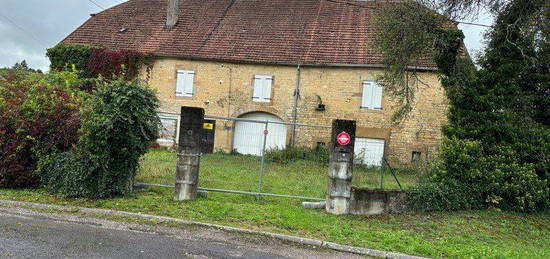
(184, 96)
(370, 109)
(260, 101)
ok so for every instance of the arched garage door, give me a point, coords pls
(249, 136)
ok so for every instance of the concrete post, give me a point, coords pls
(341, 167)
(187, 170)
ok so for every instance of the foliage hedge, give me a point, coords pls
(444, 196)
(39, 116)
(472, 176)
(117, 129)
(64, 56)
(94, 61)
(497, 147)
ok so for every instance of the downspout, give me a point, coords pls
(295, 106)
(230, 70)
(229, 96)
(229, 92)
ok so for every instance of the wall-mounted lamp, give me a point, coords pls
(320, 106)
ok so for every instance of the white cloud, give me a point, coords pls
(40, 25)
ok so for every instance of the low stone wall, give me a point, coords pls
(375, 202)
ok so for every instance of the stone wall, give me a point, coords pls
(225, 89)
(376, 202)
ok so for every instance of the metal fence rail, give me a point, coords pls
(257, 194)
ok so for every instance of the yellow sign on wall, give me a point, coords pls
(208, 126)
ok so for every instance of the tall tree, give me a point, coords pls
(498, 133)
(23, 66)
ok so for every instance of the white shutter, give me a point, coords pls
(180, 82)
(367, 94)
(189, 78)
(266, 97)
(262, 88)
(257, 95)
(184, 83)
(377, 97)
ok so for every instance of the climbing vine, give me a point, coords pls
(94, 61)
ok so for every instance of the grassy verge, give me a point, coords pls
(238, 172)
(474, 234)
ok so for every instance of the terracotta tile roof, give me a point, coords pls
(309, 32)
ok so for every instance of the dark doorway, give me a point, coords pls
(209, 127)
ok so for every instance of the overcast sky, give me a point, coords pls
(28, 27)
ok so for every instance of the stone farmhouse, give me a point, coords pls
(304, 61)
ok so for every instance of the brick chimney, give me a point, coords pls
(172, 13)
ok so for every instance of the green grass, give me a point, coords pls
(472, 234)
(238, 172)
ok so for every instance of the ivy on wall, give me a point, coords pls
(93, 61)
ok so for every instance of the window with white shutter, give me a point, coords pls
(372, 96)
(262, 88)
(184, 83)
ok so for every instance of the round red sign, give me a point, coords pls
(343, 138)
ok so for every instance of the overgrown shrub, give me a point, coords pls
(319, 154)
(125, 63)
(94, 61)
(116, 131)
(64, 56)
(37, 118)
(447, 196)
(498, 129)
(469, 178)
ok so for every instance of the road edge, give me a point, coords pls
(294, 239)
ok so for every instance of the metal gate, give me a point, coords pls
(257, 175)
(265, 135)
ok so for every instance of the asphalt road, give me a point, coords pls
(28, 234)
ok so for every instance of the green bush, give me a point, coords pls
(470, 176)
(38, 117)
(319, 154)
(72, 173)
(498, 131)
(117, 130)
(94, 61)
(448, 196)
(64, 56)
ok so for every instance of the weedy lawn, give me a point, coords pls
(239, 172)
(469, 234)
